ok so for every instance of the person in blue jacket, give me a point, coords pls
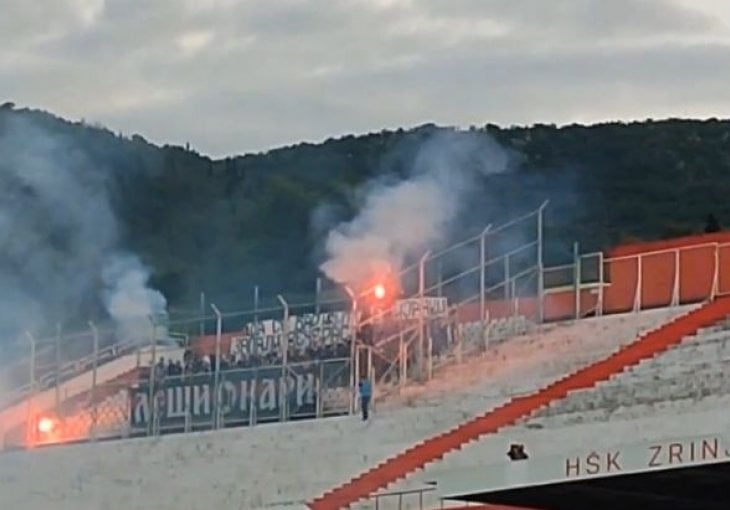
(366, 393)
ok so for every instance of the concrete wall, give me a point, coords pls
(283, 465)
(651, 442)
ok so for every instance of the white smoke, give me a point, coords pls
(399, 221)
(59, 238)
(130, 302)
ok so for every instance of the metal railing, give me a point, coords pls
(398, 498)
(501, 288)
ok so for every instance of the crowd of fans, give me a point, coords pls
(193, 363)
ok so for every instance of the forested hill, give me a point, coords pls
(222, 226)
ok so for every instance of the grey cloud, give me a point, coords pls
(585, 17)
(276, 73)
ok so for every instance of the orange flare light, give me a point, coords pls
(46, 425)
(379, 291)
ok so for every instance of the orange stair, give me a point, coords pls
(434, 449)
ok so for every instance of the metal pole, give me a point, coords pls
(716, 277)
(601, 284)
(94, 375)
(506, 277)
(540, 280)
(58, 366)
(483, 274)
(202, 314)
(403, 360)
(256, 304)
(284, 358)
(422, 311)
(639, 283)
(30, 419)
(577, 269)
(317, 294)
(354, 368)
(216, 370)
(153, 366)
(675, 288)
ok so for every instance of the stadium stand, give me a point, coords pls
(693, 376)
(435, 448)
(517, 367)
(527, 381)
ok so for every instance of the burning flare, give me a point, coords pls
(379, 291)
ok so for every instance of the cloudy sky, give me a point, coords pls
(234, 76)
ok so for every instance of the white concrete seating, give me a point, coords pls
(676, 381)
(474, 334)
(285, 464)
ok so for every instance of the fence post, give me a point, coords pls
(540, 267)
(601, 284)
(284, 359)
(320, 389)
(354, 366)
(677, 276)
(94, 365)
(57, 396)
(253, 398)
(483, 275)
(577, 277)
(317, 295)
(422, 312)
(202, 314)
(30, 425)
(216, 370)
(403, 357)
(716, 275)
(639, 283)
(152, 379)
(506, 277)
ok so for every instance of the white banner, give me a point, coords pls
(428, 307)
(304, 331)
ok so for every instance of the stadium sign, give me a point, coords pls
(243, 396)
(651, 455)
(626, 459)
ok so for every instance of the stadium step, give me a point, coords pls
(433, 449)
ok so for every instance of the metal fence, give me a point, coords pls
(494, 284)
(143, 406)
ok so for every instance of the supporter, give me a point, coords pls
(160, 369)
(366, 393)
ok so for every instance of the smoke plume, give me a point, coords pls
(399, 220)
(128, 299)
(59, 239)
